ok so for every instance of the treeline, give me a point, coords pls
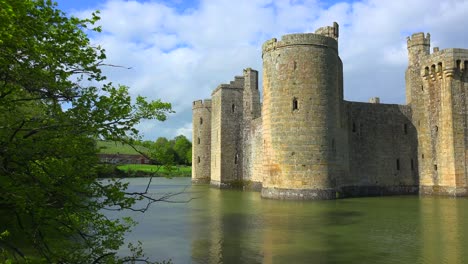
(177, 151)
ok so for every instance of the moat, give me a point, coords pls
(225, 226)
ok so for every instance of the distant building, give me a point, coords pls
(305, 142)
(123, 159)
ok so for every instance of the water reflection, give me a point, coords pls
(240, 227)
(444, 224)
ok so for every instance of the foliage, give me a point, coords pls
(175, 151)
(49, 120)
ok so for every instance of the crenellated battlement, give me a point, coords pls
(329, 31)
(419, 39)
(237, 83)
(447, 61)
(313, 39)
(201, 104)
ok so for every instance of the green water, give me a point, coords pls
(222, 226)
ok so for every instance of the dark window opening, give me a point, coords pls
(436, 128)
(422, 156)
(233, 107)
(412, 164)
(405, 128)
(198, 140)
(295, 105)
(398, 164)
(354, 127)
(435, 166)
(458, 64)
(439, 67)
(426, 71)
(466, 65)
(201, 121)
(333, 145)
(433, 68)
(422, 88)
(198, 159)
(235, 158)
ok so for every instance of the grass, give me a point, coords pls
(110, 147)
(176, 171)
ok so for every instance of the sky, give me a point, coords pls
(179, 51)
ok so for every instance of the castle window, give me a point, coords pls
(435, 167)
(201, 121)
(422, 88)
(198, 159)
(295, 104)
(405, 129)
(436, 128)
(458, 64)
(412, 164)
(354, 127)
(333, 145)
(466, 65)
(235, 158)
(398, 164)
(433, 68)
(426, 71)
(233, 107)
(422, 156)
(198, 140)
(439, 67)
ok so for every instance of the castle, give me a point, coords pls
(304, 141)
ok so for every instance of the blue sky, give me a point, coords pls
(179, 51)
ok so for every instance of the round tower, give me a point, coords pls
(201, 141)
(302, 97)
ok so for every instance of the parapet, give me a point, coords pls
(445, 61)
(374, 100)
(237, 83)
(419, 39)
(329, 31)
(201, 104)
(249, 70)
(325, 37)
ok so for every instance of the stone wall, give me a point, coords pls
(382, 150)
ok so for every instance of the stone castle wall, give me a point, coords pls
(382, 150)
(305, 142)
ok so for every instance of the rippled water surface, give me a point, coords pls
(225, 226)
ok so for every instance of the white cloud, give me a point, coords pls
(182, 55)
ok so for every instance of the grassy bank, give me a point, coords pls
(143, 170)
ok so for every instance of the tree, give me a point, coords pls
(49, 120)
(162, 152)
(181, 147)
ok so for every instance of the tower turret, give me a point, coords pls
(301, 113)
(418, 47)
(201, 141)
